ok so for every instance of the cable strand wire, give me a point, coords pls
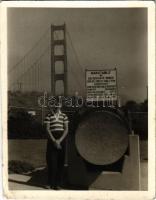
(75, 77)
(33, 65)
(29, 52)
(74, 50)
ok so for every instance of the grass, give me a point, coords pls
(29, 151)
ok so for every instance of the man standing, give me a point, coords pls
(57, 128)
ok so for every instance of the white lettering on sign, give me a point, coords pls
(101, 85)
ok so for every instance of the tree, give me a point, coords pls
(144, 106)
(131, 106)
(22, 125)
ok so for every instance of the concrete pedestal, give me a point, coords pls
(129, 178)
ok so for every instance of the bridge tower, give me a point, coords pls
(58, 42)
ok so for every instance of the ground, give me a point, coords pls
(36, 180)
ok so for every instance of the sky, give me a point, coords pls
(102, 38)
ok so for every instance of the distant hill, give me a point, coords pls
(24, 99)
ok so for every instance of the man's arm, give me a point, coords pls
(64, 133)
(49, 132)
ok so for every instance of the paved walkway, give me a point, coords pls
(36, 180)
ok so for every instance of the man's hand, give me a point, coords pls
(65, 132)
(58, 145)
(49, 133)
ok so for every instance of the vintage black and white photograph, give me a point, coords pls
(77, 99)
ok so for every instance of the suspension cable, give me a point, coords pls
(74, 50)
(33, 65)
(29, 52)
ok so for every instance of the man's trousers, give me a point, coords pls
(55, 163)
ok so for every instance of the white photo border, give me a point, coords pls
(84, 195)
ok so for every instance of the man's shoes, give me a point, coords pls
(48, 187)
(57, 188)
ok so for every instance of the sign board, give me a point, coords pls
(101, 85)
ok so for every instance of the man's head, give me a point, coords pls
(57, 107)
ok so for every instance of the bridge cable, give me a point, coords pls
(33, 65)
(76, 56)
(29, 52)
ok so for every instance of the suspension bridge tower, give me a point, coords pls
(57, 41)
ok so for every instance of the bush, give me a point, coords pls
(19, 167)
(21, 125)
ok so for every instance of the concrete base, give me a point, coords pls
(129, 178)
